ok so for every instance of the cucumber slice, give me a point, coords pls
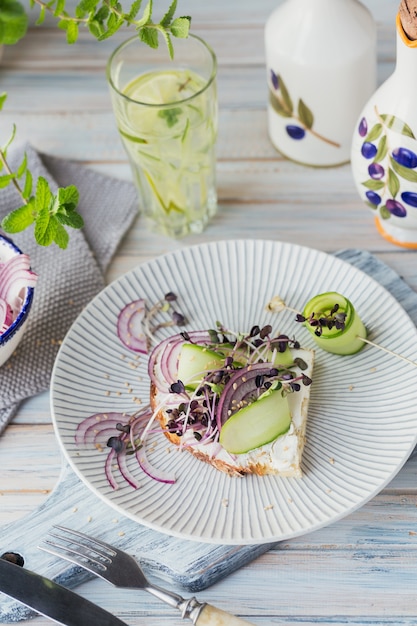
(194, 362)
(257, 424)
(282, 359)
(337, 341)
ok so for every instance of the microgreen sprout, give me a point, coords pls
(124, 443)
(164, 305)
(335, 319)
(246, 371)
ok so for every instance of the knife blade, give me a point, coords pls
(50, 599)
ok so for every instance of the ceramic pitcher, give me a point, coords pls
(321, 70)
(384, 149)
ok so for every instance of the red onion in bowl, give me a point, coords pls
(17, 282)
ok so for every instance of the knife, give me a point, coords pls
(50, 599)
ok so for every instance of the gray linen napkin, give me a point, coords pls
(68, 279)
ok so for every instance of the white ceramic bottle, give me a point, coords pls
(384, 149)
(321, 70)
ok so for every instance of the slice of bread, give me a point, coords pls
(282, 456)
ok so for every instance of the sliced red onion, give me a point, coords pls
(166, 354)
(141, 455)
(169, 359)
(124, 470)
(108, 470)
(4, 309)
(129, 326)
(240, 385)
(150, 470)
(15, 276)
(97, 423)
(161, 383)
(15, 263)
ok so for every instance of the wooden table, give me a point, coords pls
(361, 570)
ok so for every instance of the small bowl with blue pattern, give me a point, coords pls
(17, 283)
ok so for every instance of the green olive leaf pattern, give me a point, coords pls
(389, 163)
(374, 133)
(282, 103)
(375, 185)
(305, 114)
(285, 96)
(404, 172)
(393, 183)
(396, 124)
(385, 214)
(382, 150)
(277, 105)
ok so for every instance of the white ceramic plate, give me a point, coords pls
(362, 418)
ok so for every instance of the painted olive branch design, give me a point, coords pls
(282, 103)
(389, 166)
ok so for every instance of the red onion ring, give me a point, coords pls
(238, 387)
(124, 470)
(166, 354)
(150, 470)
(129, 326)
(3, 315)
(109, 471)
(15, 276)
(97, 423)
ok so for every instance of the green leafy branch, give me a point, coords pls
(50, 213)
(103, 18)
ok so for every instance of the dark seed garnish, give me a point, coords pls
(116, 444)
(178, 318)
(265, 331)
(177, 387)
(300, 363)
(124, 428)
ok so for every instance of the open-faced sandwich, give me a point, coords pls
(238, 402)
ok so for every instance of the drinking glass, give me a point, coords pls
(166, 114)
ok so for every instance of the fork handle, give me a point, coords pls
(211, 616)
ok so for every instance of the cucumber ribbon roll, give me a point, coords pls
(334, 323)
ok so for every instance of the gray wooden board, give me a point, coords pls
(184, 564)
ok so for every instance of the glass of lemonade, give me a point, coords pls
(166, 114)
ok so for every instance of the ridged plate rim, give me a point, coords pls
(361, 426)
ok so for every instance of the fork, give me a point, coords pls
(122, 570)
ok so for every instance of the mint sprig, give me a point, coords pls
(103, 18)
(49, 213)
